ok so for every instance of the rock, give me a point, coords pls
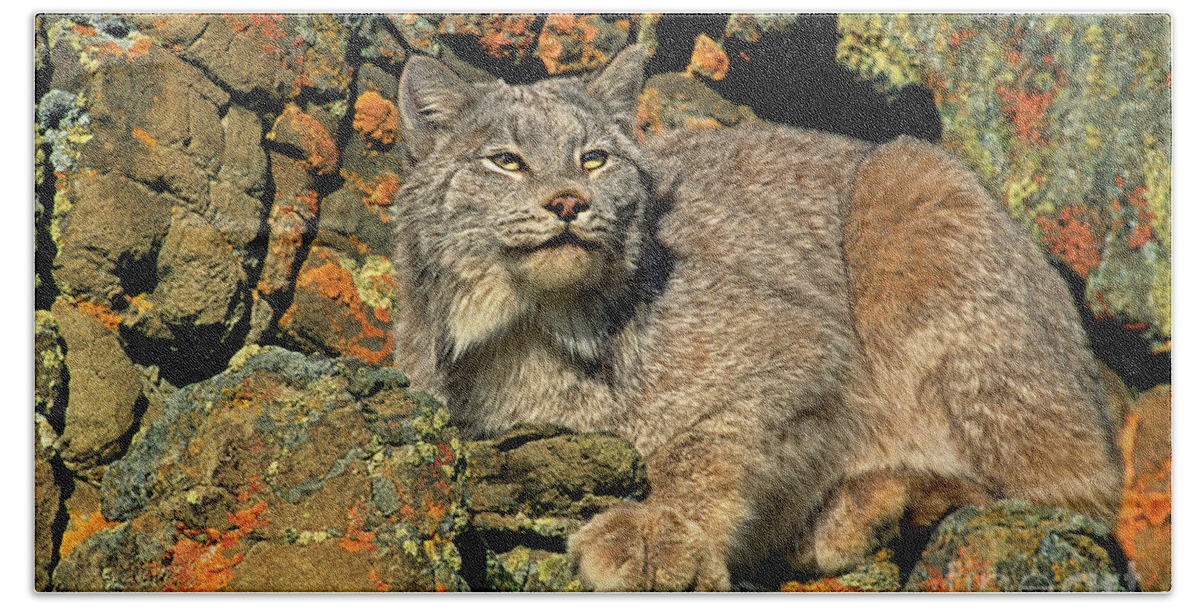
(878, 572)
(47, 504)
(232, 50)
(301, 132)
(109, 236)
(200, 282)
(1014, 546)
(354, 226)
(49, 369)
(243, 161)
(677, 101)
(343, 307)
(532, 487)
(157, 121)
(575, 43)
(286, 472)
(104, 393)
(1144, 522)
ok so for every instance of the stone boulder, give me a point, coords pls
(1144, 522)
(1015, 546)
(286, 472)
(530, 489)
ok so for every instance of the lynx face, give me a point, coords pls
(532, 203)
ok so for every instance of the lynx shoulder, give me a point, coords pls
(803, 334)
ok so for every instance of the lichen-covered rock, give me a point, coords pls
(1014, 546)
(158, 179)
(532, 487)
(580, 43)
(878, 572)
(49, 369)
(103, 392)
(1063, 122)
(525, 569)
(1144, 522)
(47, 502)
(286, 472)
(678, 101)
(341, 306)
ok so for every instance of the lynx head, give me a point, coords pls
(526, 204)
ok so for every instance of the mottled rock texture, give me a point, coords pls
(531, 488)
(287, 472)
(1015, 546)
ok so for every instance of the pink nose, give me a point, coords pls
(567, 206)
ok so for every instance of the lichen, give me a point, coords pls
(376, 117)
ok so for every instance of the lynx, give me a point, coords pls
(804, 334)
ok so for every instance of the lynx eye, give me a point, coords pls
(592, 160)
(508, 161)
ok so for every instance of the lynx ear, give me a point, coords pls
(617, 86)
(432, 97)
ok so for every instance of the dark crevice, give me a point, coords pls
(475, 545)
(910, 544)
(64, 478)
(1126, 351)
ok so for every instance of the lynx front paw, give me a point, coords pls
(638, 547)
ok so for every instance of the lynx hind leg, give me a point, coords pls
(959, 305)
(864, 512)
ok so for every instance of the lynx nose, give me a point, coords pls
(567, 206)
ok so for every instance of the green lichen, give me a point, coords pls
(525, 569)
(877, 573)
(1015, 546)
(374, 280)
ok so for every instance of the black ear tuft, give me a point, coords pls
(618, 85)
(432, 97)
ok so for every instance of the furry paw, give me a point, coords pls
(636, 547)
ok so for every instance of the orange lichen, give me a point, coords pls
(376, 117)
(336, 285)
(139, 48)
(199, 560)
(80, 527)
(960, 36)
(1027, 110)
(356, 540)
(99, 311)
(825, 585)
(566, 44)
(380, 585)
(384, 193)
(561, 23)
(319, 146)
(708, 58)
(1070, 236)
(1143, 524)
(141, 135)
(500, 35)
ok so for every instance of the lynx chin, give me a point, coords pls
(803, 334)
